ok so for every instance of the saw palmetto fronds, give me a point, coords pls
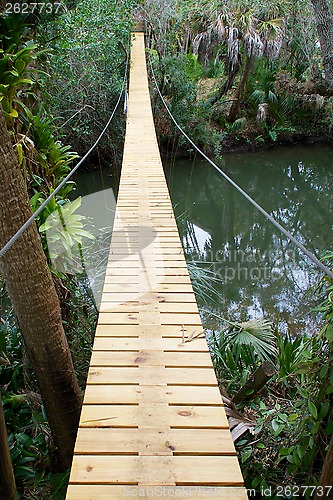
(256, 333)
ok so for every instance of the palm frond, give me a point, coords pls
(204, 281)
(257, 333)
(258, 96)
(272, 97)
(238, 124)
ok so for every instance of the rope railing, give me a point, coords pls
(31, 219)
(297, 243)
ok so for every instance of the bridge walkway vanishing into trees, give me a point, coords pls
(152, 422)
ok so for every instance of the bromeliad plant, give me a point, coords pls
(17, 65)
(13, 75)
(52, 158)
(45, 161)
(65, 232)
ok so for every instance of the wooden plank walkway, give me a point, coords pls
(152, 415)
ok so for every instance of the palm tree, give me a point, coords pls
(36, 305)
(248, 37)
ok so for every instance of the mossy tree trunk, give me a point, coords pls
(36, 305)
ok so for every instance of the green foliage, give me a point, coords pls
(203, 280)
(295, 356)
(180, 91)
(13, 76)
(294, 420)
(236, 126)
(193, 68)
(53, 158)
(240, 348)
(29, 435)
(65, 232)
(217, 39)
(48, 162)
(27, 427)
(293, 417)
(13, 28)
(87, 64)
(254, 338)
(45, 161)
(41, 154)
(255, 334)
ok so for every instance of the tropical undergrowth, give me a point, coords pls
(89, 47)
(29, 435)
(291, 419)
(27, 66)
(237, 73)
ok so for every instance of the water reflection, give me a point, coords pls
(261, 273)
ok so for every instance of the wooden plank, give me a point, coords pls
(193, 417)
(150, 343)
(154, 441)
(134, 394)
(144, 331)
(143, 260)
(122, 279)
(126, 263)
(136, 279)
(161, 297)
(147, 249)
(152, 240)
(151, 358)
(159, 287)
(116, 318)
(163, 307)
(151, 375)
(109, 416)
(152, 470)
(111, 492)
(178, 319)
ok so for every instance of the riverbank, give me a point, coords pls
(173, 146)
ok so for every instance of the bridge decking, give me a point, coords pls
(152, 412)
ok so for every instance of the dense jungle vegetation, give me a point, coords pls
(236, 74)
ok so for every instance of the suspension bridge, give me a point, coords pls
(152, 422)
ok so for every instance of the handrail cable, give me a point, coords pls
(297, 243)
(63, 182)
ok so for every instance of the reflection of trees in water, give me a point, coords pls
(260, 271)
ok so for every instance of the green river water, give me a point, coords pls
(253, 270)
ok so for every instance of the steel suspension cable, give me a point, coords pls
(297, 243)
(66, 179)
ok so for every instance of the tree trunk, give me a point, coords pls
(36, 304)
(256, 382)
(234, 110)
(7, 480)
(324, 22)
(326, 478)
